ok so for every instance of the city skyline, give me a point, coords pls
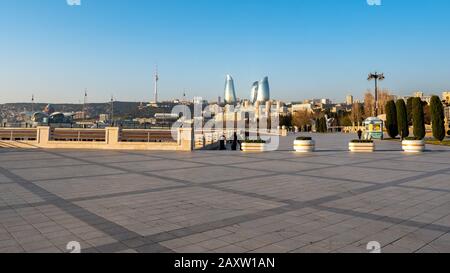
(309, 49)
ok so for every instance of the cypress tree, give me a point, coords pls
(320, 125)
(391, 119)
(418, 117)
(402, 119)
(409, 109)
(324, 125)
(437, 118)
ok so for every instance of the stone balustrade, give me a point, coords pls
(88, 139)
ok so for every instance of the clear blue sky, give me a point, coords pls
(308, 48)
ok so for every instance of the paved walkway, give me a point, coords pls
(211, 201)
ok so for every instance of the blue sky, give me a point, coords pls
(308, 48)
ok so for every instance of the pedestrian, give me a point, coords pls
(235, 142)
(360, 134)
(222, 140)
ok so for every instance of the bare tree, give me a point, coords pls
(383, 97)
(355, 116)
(301, 118)
(369, 104)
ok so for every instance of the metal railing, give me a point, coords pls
(80, 135)
(16, 134)
(128, 135)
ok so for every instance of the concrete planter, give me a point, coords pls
(413, 146)
(304, 146)
(361, 147)
(253, 147)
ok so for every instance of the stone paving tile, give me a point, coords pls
(4, 179)
(162, 212)
(402, 165)
(156, 165)
(293, 187)
(211, 174)
(12, 194)
(64, 172)
(360, 174)
(103, 185)
(230, 249)
(210, 201)
(37, 165)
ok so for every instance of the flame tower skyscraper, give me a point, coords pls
(263, 90)
(230, 92)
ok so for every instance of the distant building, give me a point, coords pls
(199, 100)
(254, 92)
(338, 108)
(349, 100)
(80, 115)
(230, 92)
(103, 117)
(263, 91)
(419, 94)
(302, 107)
(447, 117)
(446, 96)
(422, 96)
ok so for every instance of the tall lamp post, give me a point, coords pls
(112, 111)
(377, 77)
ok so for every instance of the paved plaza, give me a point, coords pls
(212, 201)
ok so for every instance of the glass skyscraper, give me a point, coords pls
(230, 92)
(263, 90)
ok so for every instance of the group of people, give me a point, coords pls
(234, 143)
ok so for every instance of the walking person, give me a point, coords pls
(360, 134)
(222, 140)
(235, 142)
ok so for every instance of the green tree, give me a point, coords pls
(320, 125)
(437, 118)
(402, 119)
(418, 118)
(391, 119)
(409, 109)
(324, 125)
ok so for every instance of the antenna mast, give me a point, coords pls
(32, 104)
(156, 84)
(84, 105)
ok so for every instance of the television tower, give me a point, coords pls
(32, 104)
(156, 84)
(85, 105)
(112, 111)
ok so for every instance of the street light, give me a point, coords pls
(377, 77)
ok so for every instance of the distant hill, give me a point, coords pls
(125, 110)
